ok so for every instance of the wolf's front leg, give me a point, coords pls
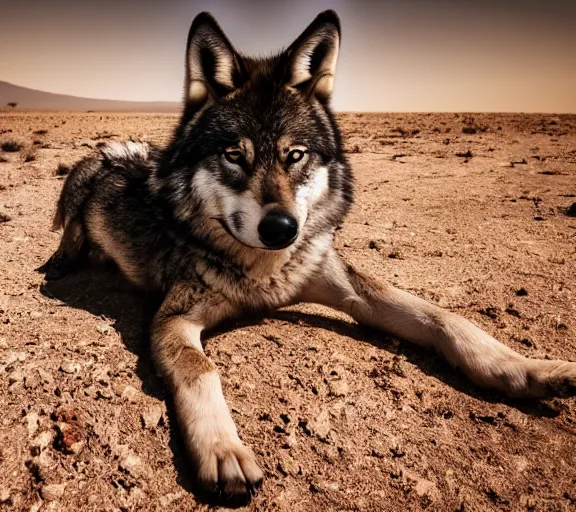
(223, 464)
(482, 358)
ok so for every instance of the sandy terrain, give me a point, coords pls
(341, 417)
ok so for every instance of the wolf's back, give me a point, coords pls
(132, 158)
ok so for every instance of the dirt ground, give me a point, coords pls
(469, 211)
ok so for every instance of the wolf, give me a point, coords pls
(237, 215)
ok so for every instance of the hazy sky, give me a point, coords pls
(396, 55)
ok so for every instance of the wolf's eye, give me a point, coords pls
(295, 156)
(234, 156)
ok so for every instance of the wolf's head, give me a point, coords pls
(257, 154)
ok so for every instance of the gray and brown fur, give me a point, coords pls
(256, 137)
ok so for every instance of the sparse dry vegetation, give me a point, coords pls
(62, 169)
(11, 146)
(29, 155)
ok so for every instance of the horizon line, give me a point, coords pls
(179, 103)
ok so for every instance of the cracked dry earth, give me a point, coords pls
(470, 212)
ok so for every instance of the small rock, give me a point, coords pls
(4, 495)
(571, 211)
(35, 314)
(151, 416)
(168, 499)
(427, 488)
(321, 425)
(32, 421)
(36, 506)
(104, 329)
(70, 367)
(32, 380)
(292, 440)
(52, 492)
(287, 465)
(4, 217)
(45, 377)
(41, 442)
(104, 393)
(71, 438)
(237, 359)
(338, 387)
(41, 466)
(12, 357)
(16, 376)
(70, 426)
(130, 393)
(131, 463)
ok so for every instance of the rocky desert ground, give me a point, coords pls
(474, 212)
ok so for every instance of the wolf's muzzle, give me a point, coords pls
(278, 229)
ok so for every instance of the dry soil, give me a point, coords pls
(468, 211)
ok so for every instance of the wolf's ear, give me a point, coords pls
(312, 57)
(213, 67)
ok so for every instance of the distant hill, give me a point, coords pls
(32, 99)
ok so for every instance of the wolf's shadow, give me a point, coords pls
(103, 292)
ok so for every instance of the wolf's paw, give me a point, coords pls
(552, 378)
(228, 471)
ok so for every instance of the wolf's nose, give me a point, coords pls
(277, 229)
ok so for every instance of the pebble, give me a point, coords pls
(72, 435)
(4, 494)
(45, 376)
(292, 440)
(151, 416)
(16, 376)
(41, 466)
(35, 314)
(71, 438)
(12, 357)
(52, 492)
(32, 421)
(41, 442)
(70, 367)
(32, 380)
(36, 506)
(338, 388)
(287, 465)
(131, 463)
(130, 393)
(315, 346)
(104, 329)
(170, 498)
(104, 393)
(427, 488)
(321, 425)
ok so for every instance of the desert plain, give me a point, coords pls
(474, 212)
